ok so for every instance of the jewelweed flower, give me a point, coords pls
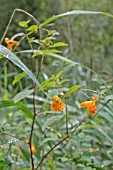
(90, 105)
(91, 149)
(57, 104)
(32, 148)
(10, 43)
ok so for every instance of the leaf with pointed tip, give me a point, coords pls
(59, 74)
(73, 89)
(22, 95)
(74, 12)
(18, 78)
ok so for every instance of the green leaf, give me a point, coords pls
(24, 23)
(61, 58)
(74, 12)
(33, 28)
(1, 56)
(59, 44)
(52, 55)
(77, 12)
(48, 21)
(88, 126)
(47, 84)
(18, 78)
(41, 52)
(46, 140)
(73, 89)
(22, 95)
(52, 120)
(59, 74)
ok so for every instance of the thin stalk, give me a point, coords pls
(30, 141)
(34, 107)
(51, 151)
(76, 127)
(12, 16)
(22, 140)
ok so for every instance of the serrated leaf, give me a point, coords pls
(73, 89)
(59, 44)
(18, 78)
(59, 74)
(24, 23)
(22, 95)
(52, 120)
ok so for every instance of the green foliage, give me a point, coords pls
(24, 23)
(73, 89)
(22, 95)
(18, 78)
(52, 121)
(51, 68)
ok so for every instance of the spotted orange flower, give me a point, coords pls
(32, 148)
(90, 105)
(57, 104)
(10, 43)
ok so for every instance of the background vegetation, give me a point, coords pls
(90, 47)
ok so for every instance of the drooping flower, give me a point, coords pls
(10, 43)
(57, 104)
(90, 105)
(32, 148)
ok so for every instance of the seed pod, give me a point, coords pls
(59, 135)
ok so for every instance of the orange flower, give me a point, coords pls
(32, 148)
(57, 104)
(91, 149)
(10, 43)
(90, 105)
